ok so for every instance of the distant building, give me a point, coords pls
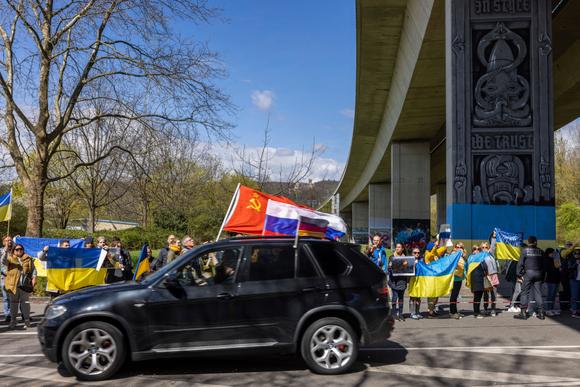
(102, 225)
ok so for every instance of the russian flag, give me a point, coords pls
(282, 219)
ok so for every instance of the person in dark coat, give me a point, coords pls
(531, 268)
(398, 284)
(552, 264)
(162, 257)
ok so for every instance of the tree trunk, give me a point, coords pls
(35, 198)
(92, 219)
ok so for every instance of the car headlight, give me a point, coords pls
(54, 311)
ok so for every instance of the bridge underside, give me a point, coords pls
(401, 98)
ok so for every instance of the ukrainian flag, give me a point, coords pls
(71, 269)
(507, 245)
(434, 279)
(6, 207)
(143, 264)
(473, 262)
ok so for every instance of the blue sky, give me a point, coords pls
(298, 54)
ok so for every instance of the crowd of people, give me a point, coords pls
(537, 279)
(542, 282)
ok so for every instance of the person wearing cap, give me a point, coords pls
(531, 268)
(89, 242)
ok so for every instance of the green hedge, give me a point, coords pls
(133, 239)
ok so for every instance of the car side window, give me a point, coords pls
(330, 261)
(271, 263)
(210, 268)
(305, 266)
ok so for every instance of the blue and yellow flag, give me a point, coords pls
(507, 245)
(71, 269)
(6, 207)
(473, 262)
(434, 279)
(32, 246)
(143, 264)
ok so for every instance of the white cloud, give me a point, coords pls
(263, 99)
(281, 161)
(347, 112)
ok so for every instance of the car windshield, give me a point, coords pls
(167, 268)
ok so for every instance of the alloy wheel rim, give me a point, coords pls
(331, 347)
(92, 351)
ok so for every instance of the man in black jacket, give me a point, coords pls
(162, 258)
(531, 268)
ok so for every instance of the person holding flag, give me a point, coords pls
(475, 272)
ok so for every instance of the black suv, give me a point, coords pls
(322, 300)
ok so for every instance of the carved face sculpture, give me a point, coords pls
(502, 179)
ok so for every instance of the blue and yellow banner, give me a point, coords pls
(507, 245)
(71, 269)
(434, 279)
(6, 207)
(32, 246)
(473, 262)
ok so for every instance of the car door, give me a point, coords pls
(277, 286)
(194, 306)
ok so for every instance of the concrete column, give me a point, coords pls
(360, 222)
(346, 215)
(441, 205)
(499, 141)
(380, 210)
(410, 198)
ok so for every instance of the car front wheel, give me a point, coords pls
(329, 346)
(93, 351)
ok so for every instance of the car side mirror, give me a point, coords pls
(171, 281)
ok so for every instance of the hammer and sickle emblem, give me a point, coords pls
(255, 203)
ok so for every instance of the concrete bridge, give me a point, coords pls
(459, 99)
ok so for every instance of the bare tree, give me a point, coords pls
(57, 57)
(255, 166)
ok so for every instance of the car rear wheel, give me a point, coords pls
(329, 346)
(93, 351)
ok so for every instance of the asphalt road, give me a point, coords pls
(467, 352)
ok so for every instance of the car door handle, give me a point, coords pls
(312, 289)
(225, 296)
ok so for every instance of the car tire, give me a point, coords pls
(93, 351)
(329, 346)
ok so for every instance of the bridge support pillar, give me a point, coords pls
(360, 222)
(441, 194)
(499, 140)
(410, 187)
(380, 210)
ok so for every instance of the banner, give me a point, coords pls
(508, 245)
(71, 269)
(434, 279)
(32, 246)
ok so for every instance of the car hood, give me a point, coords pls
(98, 290)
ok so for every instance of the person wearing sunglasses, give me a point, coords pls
(18, 264)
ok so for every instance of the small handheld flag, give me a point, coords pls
(6, 207)
(507, 245)
(143, 264)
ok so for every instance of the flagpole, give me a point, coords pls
(10, 209)
(228, 212)
(297, 233)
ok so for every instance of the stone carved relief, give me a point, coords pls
(502, 181)
(501, 94)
